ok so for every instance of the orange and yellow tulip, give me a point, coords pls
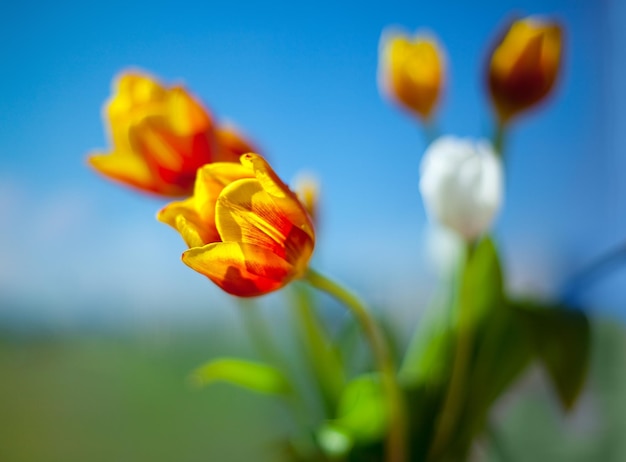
(524, 66)
(246, 230)
(411, 72)
(160, 136)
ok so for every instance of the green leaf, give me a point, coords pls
(499, 352)
(254, 376)
(362, 411)
(429, 355)
(561, 338)
(502, 353)
(498, 349)
(432, 365)
(480, 291)
(481, 283)
(324, 358)
(495, 357)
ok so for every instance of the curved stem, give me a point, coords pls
(442, 302)
(499, 138)
(430, 130)
(453, 401)
(257, 330)
(323, 357)
(396, 450)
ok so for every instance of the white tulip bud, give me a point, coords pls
(461, 182)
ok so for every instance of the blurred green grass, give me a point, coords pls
(125, 398)
(112, 397)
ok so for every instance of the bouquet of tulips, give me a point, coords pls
(250, 234)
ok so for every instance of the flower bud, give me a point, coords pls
(246, 230)
(524, 66)
(411, 71)
(462, 184)
(161, 136)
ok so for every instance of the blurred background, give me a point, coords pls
(100, 323)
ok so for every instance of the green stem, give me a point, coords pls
(431, 130)
(257, 330)
(499, 138)
(413, 368)
(442, 302)
(396, 450)
(319, 349)
(453, 401)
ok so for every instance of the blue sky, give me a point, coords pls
(300, 79)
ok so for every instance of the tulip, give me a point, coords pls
(246, 230)
(160, 137)
(524, 66)
(411, 71)
(461, 184)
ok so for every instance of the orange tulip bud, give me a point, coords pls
(524, 66)
(411, 71)
(160, 136)
(246, 230)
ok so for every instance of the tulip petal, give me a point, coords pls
(151, 139)
(194, 218)
(283, 197)
(461, 184)
(173, 159)
(135, 96)
(524, 66)
(244, 270)
(257, 248)
(183, 217)
(186, 115)
(212, 179)
(163, 133)
(411, 71)
(530, 58)
(246, 213)
(124, 168)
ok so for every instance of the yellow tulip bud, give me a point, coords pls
(524, 66)
(411, 71)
